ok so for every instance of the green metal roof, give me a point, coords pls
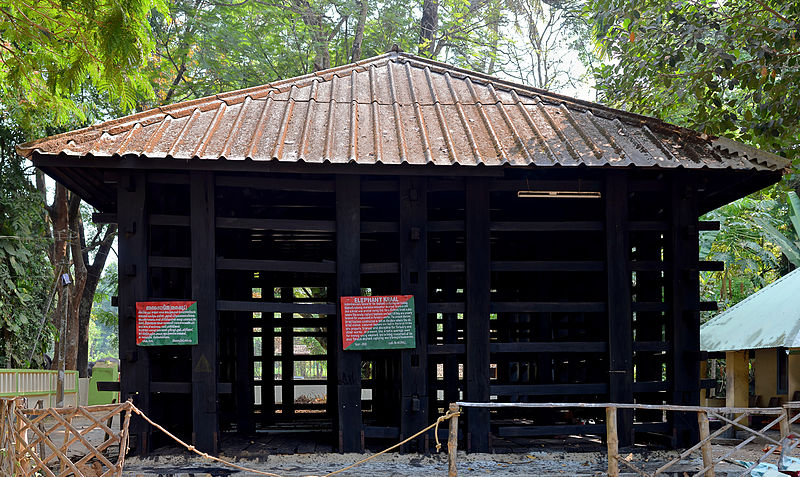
(769, 318)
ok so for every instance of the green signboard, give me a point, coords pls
(378, 322)
(160, 323)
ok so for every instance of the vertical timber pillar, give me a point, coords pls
(414, 281)
(347, 418)
(477, 310)
(133, 287)
(684, 321)
(620, 317)
(205, 423)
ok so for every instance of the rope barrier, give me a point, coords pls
(191, 448)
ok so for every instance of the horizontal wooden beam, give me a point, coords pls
(450, 307)
(379, 186)
(275, 265)
(388, 267)
(170, 387)
(561, 226)
(651, 346)
(267, 167)
(533, 431)
(513, 185)
(545, 307)
(289, 225)
(549, 266)
(273, 183)
(273, 307)
(172, 220)
(550, 347)
(377, 432)
(547, 389)
(446, 226)
(167, 178)
(447, 349)
(379, 227)
(169, 262)
(439, 267)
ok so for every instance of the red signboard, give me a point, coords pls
(160, 323)
(378, 322)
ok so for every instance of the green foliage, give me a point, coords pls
(725, 68)
(103, 324)
(751, 261)
(25, 275)
(51, 49)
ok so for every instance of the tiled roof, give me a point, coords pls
(399, 108)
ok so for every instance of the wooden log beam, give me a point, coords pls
(620, 316)
(347, 418)
(683, 326)
(133, 253)
(478, 263)
(413, 198)
(205, 420)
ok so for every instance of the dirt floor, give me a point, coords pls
(568, 456)
(297, 454)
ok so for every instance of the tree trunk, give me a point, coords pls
(94, 272)
(78, 283)
(59, 258)
(428, 26)
(359, 33)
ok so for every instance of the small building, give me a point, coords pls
(764, 327)
(550, 246)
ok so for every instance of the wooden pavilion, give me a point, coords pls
(550, 244)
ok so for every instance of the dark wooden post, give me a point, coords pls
(685, 314)
(205, 424)
(245, 418)
(133, 253)
(347, 417)
(477, 310)
(414, 281)
(620, 317)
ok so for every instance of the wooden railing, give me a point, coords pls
(37, 441)
(732, 417)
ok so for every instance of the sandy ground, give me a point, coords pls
(581, 457)
(535, 463)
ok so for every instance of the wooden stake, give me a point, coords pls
(708, 457)
(452, 443)
(784, 432)
(612, 440)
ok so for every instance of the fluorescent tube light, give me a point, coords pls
(558, 194)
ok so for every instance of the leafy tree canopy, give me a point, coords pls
(726, 67)
(50, 49)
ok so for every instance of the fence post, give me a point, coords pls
(21, 438)
(452, 442)
(612, 440)
(705, 432)
(784, 432)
